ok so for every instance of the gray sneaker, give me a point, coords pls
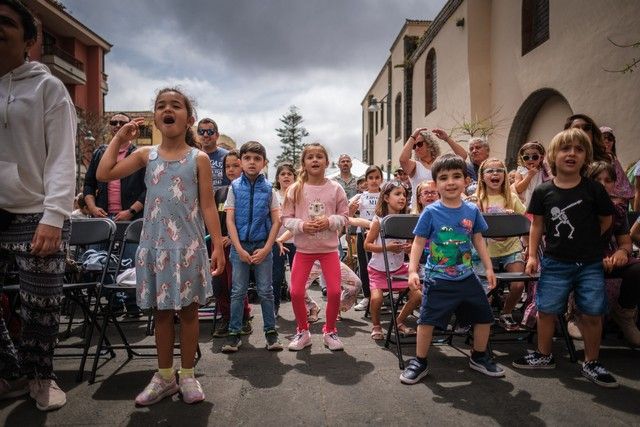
(273, 343)
(232, 344)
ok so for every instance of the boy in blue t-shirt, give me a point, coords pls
(452, 226)
(576, 212)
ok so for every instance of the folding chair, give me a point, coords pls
(515, 225)
(131, 236)
(395, 227)
(85, 233)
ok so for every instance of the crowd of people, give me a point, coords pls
(187, 187)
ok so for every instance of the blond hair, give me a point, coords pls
(303, 176)
(565, 138)
(505, 190)
(418, 207)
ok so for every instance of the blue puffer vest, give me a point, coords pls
(252, 208)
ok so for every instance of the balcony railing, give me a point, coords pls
(66, 56)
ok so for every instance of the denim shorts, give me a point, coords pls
(441, 298)
(501, 262)
(559, 278)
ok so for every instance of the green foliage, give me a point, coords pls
(291, 134)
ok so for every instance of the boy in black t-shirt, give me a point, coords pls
(575, 212)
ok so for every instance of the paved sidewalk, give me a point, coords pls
(359, 386)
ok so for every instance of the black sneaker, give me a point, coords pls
(535, 360)
(414, 372)
(485, 364)
(273, 344)
(595, 372)
(233, 344)
(222, 329)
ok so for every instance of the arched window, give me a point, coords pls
(430, 83)
(398, 116)
(535, 24)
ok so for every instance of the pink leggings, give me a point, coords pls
(330, 265)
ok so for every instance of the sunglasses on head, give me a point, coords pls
(118, 122)
(491, 171)
(533, 157)
(209, 132)
(418, 144)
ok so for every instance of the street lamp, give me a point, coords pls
(374, 106)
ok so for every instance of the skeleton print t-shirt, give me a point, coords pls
(571, 219)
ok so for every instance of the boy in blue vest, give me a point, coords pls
(253, 221)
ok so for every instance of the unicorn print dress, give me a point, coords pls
(172, 263)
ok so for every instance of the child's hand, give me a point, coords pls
(310, 227)
(322, 223)
(259, 255)
(533, 171)
(244, 256)
(226, 242)
(608, 264)
(217, 260)
(491, 279)
(414, 281)
(129, 131)
(619, 258)
(283, 248)
(532, 265)
(407, 248)
(395, 247)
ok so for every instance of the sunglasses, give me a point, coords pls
(418, 144)
(209, 132)
(398, 173)
(533, 157)
(118, 122)
(493, 170)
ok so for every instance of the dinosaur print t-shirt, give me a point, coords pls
(449, 231)
(572, 226)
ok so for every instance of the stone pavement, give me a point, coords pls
(359, 386)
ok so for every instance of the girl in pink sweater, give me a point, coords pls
(315, 210)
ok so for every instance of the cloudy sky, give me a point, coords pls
(246, 61)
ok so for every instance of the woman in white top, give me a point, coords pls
(426, 150)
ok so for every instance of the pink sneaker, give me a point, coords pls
(301, 340)
(332, 342)
(191, 390)
(157, 390)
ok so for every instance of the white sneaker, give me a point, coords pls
(332, 342)
(47, 394)
(362, 305)
(301, 340)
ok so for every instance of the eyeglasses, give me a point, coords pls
(209, 132)
(418, 144)
(493, 170)
(399, 173)
(118, 122)
(533, 157)
(608, 137)
(428, 193)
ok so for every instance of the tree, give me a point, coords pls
(291, 134)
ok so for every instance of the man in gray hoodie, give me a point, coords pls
(37, 176)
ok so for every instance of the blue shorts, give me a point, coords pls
(500, 263)
(558, 278)
(441, 298)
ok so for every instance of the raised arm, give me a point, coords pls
(110, 168)
(406, 162)
(457, 149)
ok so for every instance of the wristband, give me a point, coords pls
(133, 211)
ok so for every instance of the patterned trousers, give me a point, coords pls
(40, 280)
